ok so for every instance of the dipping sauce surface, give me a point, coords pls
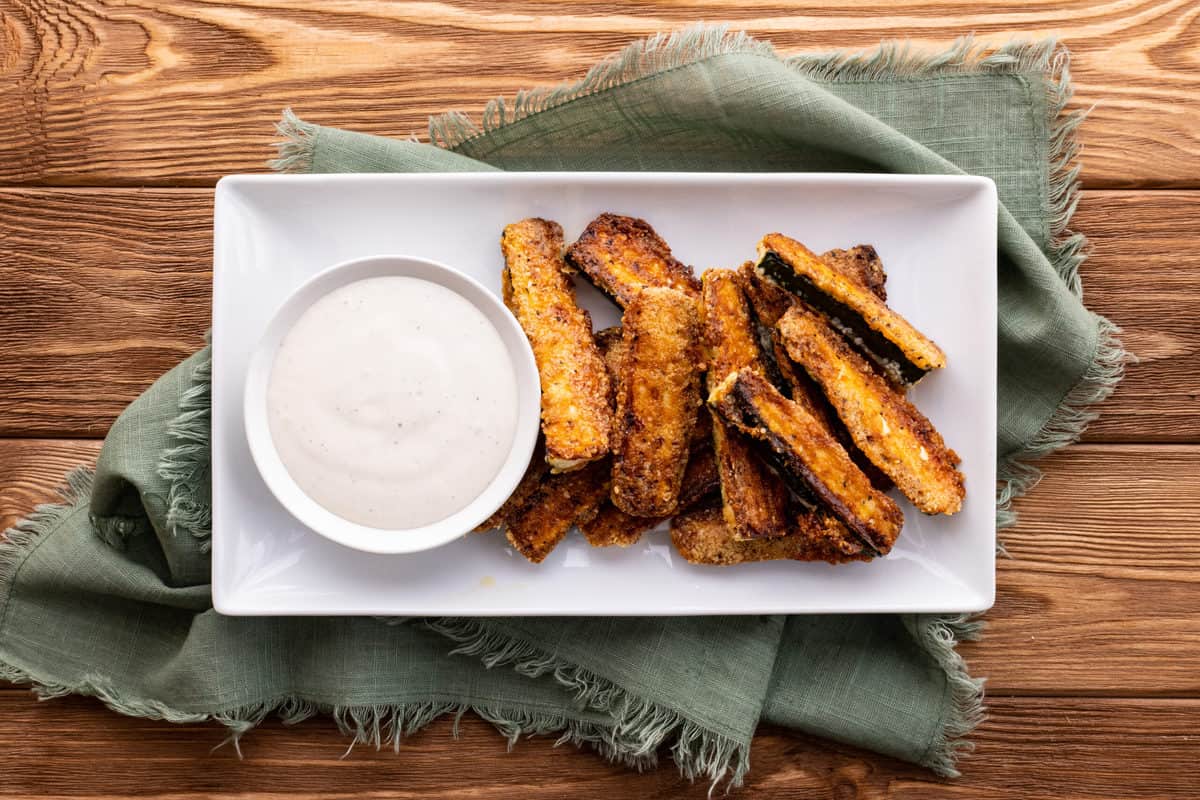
(392, 402)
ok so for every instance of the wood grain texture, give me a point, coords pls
(1105, 562)
(103, 290)
(1068, 749)
(1144, 273)
(1101, 594)
(180, 92)
(32, 470)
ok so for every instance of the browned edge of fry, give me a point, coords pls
(886, 427)
(622, 255)
(560, 502)
(754, 501)
(769, 301)
(701, 536)
(808, 456)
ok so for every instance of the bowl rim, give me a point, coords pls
(312, 514)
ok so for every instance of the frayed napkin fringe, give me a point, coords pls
(22, 538)
(646, 57)
(640, 727)
(940, 636)
(187, 463)
(377, 725)
(296, 148)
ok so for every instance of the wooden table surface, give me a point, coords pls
(119, 115)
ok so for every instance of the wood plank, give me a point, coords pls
(1070, 749)
(32, 470)
(1101, 594)
(124, 294)
(1144, 274)
(176, 92)
(120, 296)
(1105, 562)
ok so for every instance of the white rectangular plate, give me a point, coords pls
(935, 234)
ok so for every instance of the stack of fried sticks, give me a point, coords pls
(761, 409)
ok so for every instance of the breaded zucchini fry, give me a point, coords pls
(702, 537)
(753, 499)
(576, 415)
(559, 502)
(795, 383)
(862, 263)
(658, 397)
(807, 456)
(623, 255)
(612, 526)
(902, 351)
(893, 434)
(792, 381)
(611, 342)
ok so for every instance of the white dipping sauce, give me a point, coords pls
(392, 402)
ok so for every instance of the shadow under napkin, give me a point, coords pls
(116, 603)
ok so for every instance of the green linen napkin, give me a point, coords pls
(107, 594)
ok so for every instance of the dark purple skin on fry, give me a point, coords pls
(738, 407)
(866, 339)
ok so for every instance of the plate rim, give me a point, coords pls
(229, 602)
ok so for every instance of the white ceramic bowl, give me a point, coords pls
(316, 516)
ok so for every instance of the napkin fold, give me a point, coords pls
(107, 593)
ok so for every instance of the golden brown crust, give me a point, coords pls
(753, 499)
(612, 526)
(559, 502)
(576, 415)
(702, 537)
(658, 398)
(862, 263)
(702, 433)
(808, 456)
(769, 301)
(623, 255)
(804, 391)
(889, 430)
(611, 342)
(730, 334)
(879, 331)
